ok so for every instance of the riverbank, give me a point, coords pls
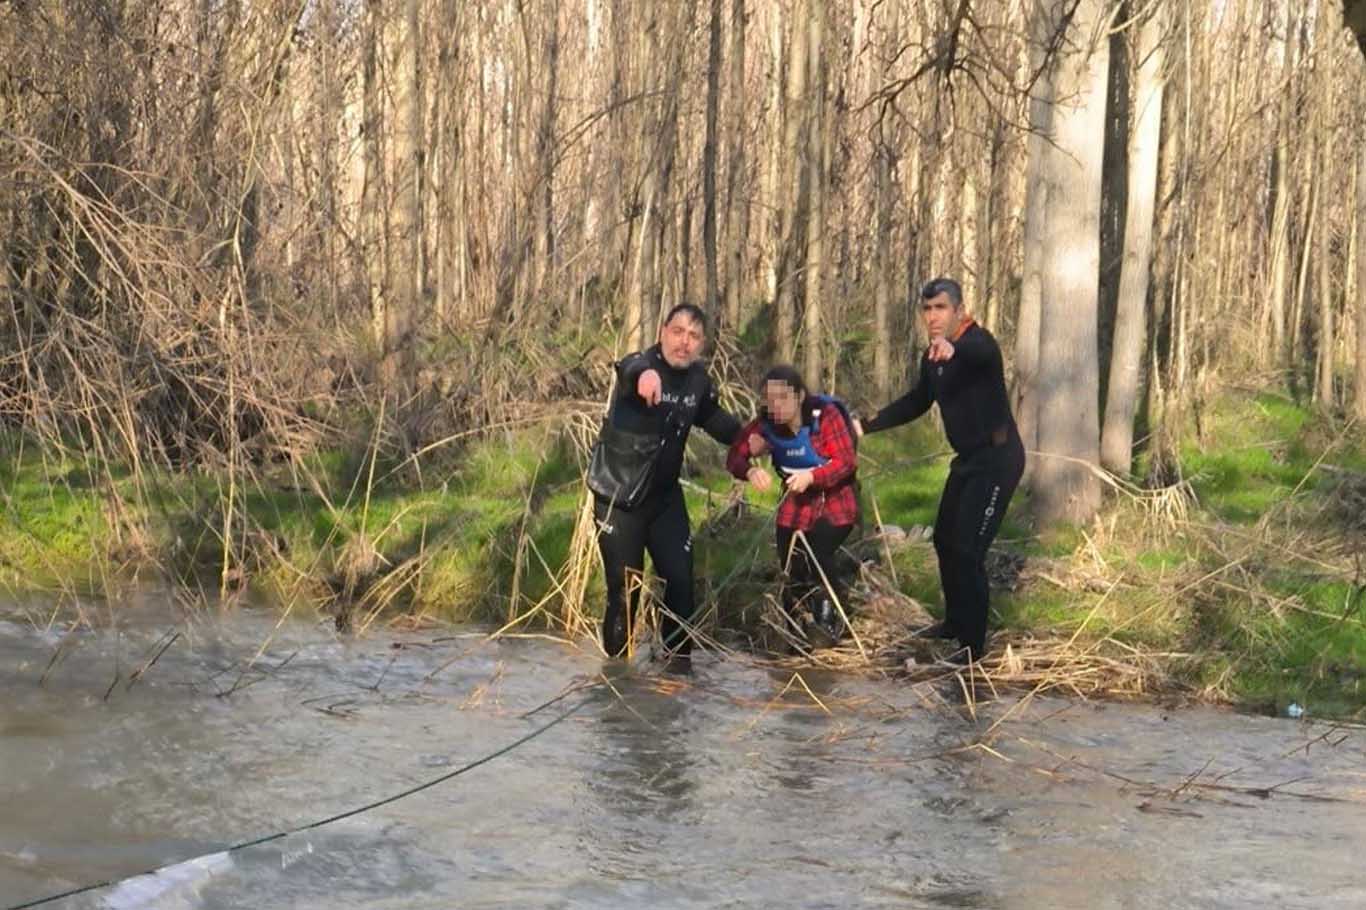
(1242, 584)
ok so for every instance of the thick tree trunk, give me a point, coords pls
(1065, 486)
(1145, 142)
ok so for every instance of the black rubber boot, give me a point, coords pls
(939, 630)
(616, 630)
(826, 627)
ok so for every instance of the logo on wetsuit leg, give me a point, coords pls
(990, 511)
(687, 544)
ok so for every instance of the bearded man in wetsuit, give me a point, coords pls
(962, 371)
(661, 392)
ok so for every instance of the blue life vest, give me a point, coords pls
(792, 453)
(798, 452)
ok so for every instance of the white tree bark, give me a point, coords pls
(1117, 436)
(1065, 486)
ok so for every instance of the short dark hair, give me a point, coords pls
(937, 286)
(691, 310)
(786, 374)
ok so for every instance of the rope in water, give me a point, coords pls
(558, 719)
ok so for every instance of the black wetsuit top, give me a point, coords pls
(970, 390)
(687, 397)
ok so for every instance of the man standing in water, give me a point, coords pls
(962, 371)
(661, 392)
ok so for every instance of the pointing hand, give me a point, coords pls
(648, 387)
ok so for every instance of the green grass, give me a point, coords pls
(462, 517)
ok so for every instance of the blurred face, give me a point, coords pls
(782, 402)
(681, 340)
(941, 316)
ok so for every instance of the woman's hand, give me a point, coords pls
(799, 481)
(760, 479)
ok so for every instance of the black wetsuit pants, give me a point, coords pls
(975, 498)
(660, 525)
(802, 574)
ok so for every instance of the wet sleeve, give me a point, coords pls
(629, 370)
(719, 423)
(906, 408)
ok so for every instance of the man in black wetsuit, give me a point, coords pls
(962, 371)
(661, 391)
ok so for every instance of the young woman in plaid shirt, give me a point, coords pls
(811, 445)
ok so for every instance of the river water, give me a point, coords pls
(735, 786)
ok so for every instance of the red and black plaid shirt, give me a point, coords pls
(831, 495)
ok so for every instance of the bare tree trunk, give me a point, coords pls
(374, 231)
(737, 207)
(774, 183)
(1037, 207)
(1279, 292)
(1323, 381)
(1065, 487)
(817, 145)
(994, 201)
(1145, 142)
(794, 204)
(709, 157)
(1296, 327)
(666, 43)
(545, 142)
(1326, 348)
(450, 227)
(969, 228)
(1359, 219)
(882, 264)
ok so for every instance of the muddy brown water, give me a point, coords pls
(707, 791)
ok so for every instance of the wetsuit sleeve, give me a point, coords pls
(719, 423)
(975, 348)
(629, 370)
(838, 448)
(906, 408)
(737, 459)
